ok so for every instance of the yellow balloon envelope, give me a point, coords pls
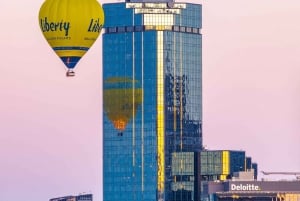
(122, 96)
(71, 27)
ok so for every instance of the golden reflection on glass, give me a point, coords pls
(223, 177)
(289, 196)
(225, 162)
(160, 114)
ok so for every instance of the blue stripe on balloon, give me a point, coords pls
(70, 62)
(71, 48)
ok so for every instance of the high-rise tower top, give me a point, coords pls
(148, 1)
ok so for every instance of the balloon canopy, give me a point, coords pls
(71, 27)
(122, 96)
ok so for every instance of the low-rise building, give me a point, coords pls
(82, 197)
(239, 190)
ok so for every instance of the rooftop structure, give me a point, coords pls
(81, 197)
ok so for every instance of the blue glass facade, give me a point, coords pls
(152, 92)
(221, 164)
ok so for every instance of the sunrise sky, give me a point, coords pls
(50, 125)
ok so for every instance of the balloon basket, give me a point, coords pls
(70, 73)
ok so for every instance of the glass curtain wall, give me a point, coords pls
(152, 101)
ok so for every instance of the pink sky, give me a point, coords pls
(50, 125)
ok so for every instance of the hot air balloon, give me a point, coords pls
(71, 27)
(122, 96)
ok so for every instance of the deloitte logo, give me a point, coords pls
(244, 187)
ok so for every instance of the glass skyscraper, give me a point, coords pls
(152, 98)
